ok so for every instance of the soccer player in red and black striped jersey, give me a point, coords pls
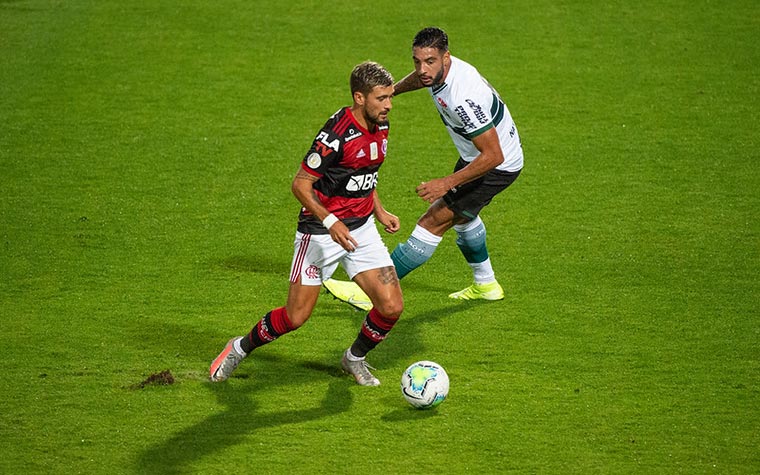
(336, 186)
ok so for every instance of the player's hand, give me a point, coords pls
(433, 189)
(340, 234)
(389, 221)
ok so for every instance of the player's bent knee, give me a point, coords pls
(390, 309)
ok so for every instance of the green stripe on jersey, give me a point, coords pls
(460, 130)
(479, 131)
(497, 110)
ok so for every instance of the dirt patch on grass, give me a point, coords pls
(164, 378)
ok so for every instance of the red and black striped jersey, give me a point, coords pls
(345, 157)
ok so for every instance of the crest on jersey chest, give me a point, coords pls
(373, 149)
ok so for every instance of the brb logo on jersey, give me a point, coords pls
(362, 182)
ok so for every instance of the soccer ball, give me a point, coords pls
(424, 384)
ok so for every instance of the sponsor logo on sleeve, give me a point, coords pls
(324, 145)
(479, 114)
(467, 123)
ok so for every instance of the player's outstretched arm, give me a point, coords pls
(411, 82)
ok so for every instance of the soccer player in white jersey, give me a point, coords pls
(490, 159)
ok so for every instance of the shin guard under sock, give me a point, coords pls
(374, 330)
(415, 251)
(471, 240)
(274, 324)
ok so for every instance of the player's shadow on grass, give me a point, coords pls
(406, 338)
(256, 264)
(448, 310)
(242, 416)
(237, 424)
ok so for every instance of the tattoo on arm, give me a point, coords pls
(303, 189)
(410, 82)
(302, 175)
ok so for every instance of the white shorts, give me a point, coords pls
(317, 256)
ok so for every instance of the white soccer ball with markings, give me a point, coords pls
(424, 384)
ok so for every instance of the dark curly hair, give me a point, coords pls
(431, 37)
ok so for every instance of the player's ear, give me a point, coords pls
(359, 98)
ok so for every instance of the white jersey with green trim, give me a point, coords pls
(469, 106)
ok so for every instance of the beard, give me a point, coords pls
(375, 119)
(438, 79)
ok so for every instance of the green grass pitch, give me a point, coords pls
(146, 154)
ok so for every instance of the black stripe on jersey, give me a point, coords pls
(348, 182)
(342, 125)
